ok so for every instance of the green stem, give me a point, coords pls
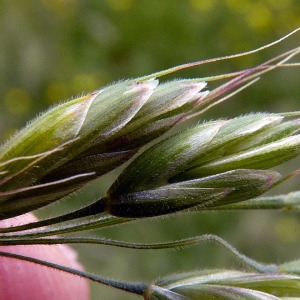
(134, 288)
(289, 202)
(90, 210)
(198, 63)
(100, 222)
(263, 268)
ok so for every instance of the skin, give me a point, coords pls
(23, 280)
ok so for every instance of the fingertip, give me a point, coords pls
(25, 280)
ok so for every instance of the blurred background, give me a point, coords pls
(52, 50)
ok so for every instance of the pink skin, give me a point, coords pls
(24, 280)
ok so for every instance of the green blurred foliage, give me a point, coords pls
(52, 50)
